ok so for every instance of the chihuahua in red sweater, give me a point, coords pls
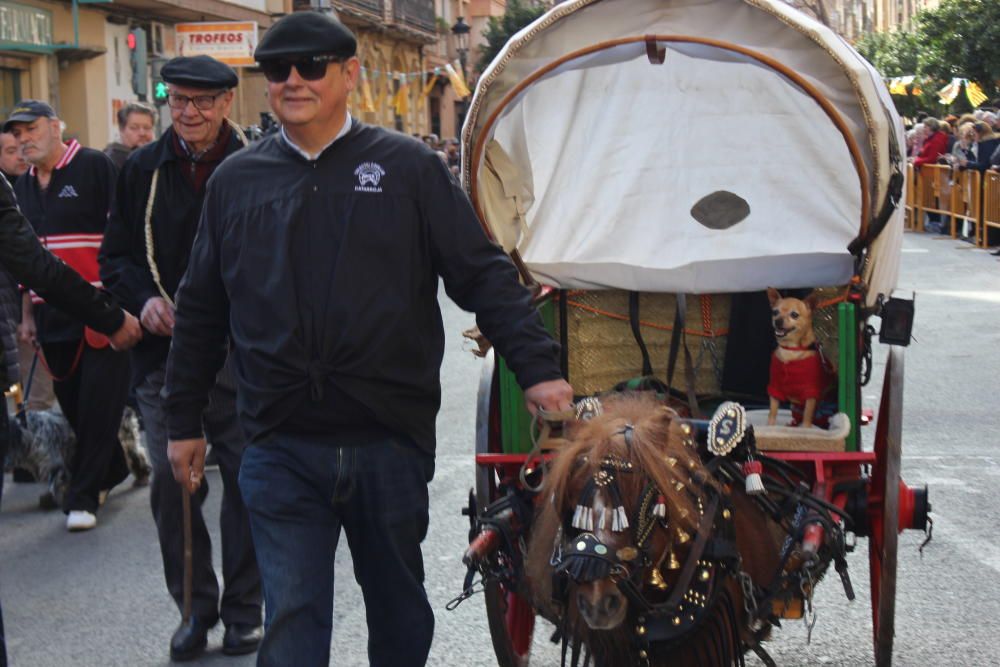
(800, 374)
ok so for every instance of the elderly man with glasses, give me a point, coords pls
(145, 253)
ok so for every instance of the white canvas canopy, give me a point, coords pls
(757, 150)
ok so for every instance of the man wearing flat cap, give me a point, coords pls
(66, 195)
(319, 252)
(145, 253)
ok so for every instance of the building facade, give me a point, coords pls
(79, 56)
(392, 37)
(853, 18)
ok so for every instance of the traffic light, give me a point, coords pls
(137, 57)
(160, 92)
(159, 85)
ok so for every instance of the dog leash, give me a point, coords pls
(188, 567)
(39, 356)
(21, 409)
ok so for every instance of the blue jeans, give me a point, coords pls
(300, 490)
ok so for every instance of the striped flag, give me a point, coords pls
(974, 93)
(457, 81)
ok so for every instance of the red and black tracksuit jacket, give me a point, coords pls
(69, 216)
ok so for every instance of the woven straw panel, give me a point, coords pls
(603, 351)
(825, 324)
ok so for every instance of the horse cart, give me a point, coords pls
(653, 167)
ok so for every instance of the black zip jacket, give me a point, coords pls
(23, 256)
(176, 208)
(326, 275)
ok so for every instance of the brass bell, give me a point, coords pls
(672, 562)
(682, 537)
(656, 579)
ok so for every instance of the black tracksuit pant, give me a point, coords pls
(92, 397)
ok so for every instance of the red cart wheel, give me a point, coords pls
(511, 617)
(884, 508)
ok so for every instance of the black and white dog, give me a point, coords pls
(42, 442)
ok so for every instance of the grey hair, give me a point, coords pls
(134, 107)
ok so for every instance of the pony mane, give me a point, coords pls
(657, 452)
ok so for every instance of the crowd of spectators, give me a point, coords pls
(969, 141)
(447, 150)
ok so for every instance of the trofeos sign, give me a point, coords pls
(230, 42)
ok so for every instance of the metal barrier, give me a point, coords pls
(991, 205)
(910, 221)
(966, 201)
(933, 192)
(965, 195)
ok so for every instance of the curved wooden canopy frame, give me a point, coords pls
(795, 77)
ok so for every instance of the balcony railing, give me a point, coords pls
(371, 6)
(416, 13)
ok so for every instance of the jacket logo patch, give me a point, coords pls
(68, 191)
(369, 176)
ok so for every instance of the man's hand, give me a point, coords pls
(26, 331)
(128, 334)
(552, 395)
(187, 459)
(158, 317)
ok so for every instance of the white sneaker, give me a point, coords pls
(80, 520)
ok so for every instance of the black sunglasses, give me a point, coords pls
(310, 68)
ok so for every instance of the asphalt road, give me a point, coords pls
(98, 598)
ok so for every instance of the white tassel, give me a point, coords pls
(578, 518)
(754, 483)
(589, 514)
(622, 519)
(604, 514)
(660, 508)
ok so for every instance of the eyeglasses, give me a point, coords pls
(201, 102)
(311, 68)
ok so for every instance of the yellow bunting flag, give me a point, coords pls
(428, 87)
(974, 93)
(948, 94)
(457, 82)
(367, 102)
(402, 102)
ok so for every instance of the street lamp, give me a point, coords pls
(461, 30)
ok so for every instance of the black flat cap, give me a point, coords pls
(306, 33)
(199, 72)
(27, 111)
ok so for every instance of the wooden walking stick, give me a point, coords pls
(188, 567)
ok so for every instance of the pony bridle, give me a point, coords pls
(584, 558)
